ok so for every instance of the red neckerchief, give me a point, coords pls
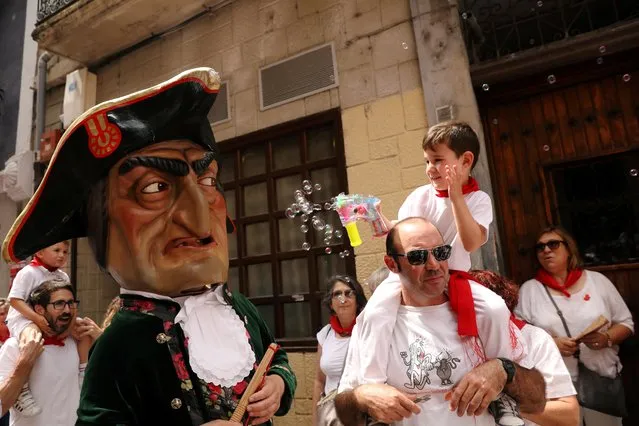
(337, 326)
(462, 303)
(37, 262)
(520, 323)
(471, 186)
(4, 333)
(548, 280)
(54, 340)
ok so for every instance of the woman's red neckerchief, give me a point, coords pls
(462, 303)
(471, 186)
(36, 261)
(548, 280)
(337, 326)
(520, 323)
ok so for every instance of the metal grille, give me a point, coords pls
(48, 8)
(302, 75)
(495, 29)
(220, 111)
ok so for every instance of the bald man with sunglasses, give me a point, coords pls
(449, 353)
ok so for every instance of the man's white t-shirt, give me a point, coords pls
(55, 383)
(27, 280)
(423, 202)
(546, 358)
(334, 350)
(598, 297)
(427, 356)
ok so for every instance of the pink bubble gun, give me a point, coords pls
(354, 207)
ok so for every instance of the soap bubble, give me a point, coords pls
(342, 255)
(546, 148)
(307, 186)
(602, 49)
(634, 172)
(306, 246)
(317, 187)
(304, 228)
(299, 195)
(626, 78)
(405, 45)
(328, 206)
(307, 208)
(552, 79)
(317, 207)
(327, 241)
(289, 213)
(338, 233)
(296, 208)
(347, 253)
(329, 228)
(599, 60)
(540, 3)
(304, 217)
(485, 87)
(328, 250)
(318, 223)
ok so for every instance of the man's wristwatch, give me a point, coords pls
(509, 368)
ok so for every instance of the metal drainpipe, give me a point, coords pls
(41, 97)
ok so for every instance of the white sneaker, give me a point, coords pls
(506, 411)
(25, 403)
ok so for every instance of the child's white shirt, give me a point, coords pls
(27, 280)
(423, 202)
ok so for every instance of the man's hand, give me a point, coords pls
(31, 333)
(478, 388)
(385, 403)
(566, 346)
(595, 340)
(29, 353)
(454, 179)
(264, 403)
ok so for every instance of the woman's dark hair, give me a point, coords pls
(352, 283)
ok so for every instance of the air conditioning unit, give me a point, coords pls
(17, 177)
(48, 143)
(79, 95)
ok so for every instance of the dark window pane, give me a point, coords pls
(257, 239)
(327, 266)
(294, 276)
(285, 189)
(253, 161)
(297, 319)
(255, 199)
(229, 196)
(232, 238)
(234, 279)
(268, 315)
(286, 152)
(227, 168)
(321, 143)
(327, 178)
(260, 280)
(290, 236)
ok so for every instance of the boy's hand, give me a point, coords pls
(86, 328)
(455, 181)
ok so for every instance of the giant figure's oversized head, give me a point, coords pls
(138, 176)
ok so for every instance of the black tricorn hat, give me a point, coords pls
(96, 141)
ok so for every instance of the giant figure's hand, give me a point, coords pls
(478, 388)
(264, 403)
(385, 403)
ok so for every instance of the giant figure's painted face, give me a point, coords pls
(167, 220)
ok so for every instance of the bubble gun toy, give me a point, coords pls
(354, 207)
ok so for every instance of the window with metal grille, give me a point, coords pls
(260, 173)
(598, 202)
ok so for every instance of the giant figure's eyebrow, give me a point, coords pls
(172, 166)
(201, 165)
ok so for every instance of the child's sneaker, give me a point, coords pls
(25, 403)
(506, 411)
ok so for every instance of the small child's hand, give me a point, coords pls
(455, 182)
(43, 325)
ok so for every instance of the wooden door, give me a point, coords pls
(541, 134)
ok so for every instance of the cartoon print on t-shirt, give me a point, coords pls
(419, 363)
(445, 364)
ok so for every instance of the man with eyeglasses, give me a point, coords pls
(55, 370)
(449, 352)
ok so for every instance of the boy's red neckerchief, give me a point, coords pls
(36, 261)
(469, 187)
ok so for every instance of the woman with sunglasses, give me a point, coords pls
(345, 300)
(561, 284)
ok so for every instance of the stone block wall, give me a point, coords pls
(380, 98)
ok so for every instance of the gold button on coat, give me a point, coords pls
(176, 403)
(162, 338)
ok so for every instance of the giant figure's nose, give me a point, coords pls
(192, 210)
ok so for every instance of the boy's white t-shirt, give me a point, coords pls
(55, 383)
(334, 349)
(27, 280)
(424, 202)
(427, 356)
(598, 297)
(545, 356)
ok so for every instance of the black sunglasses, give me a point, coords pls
(552, 245)
(420, 256)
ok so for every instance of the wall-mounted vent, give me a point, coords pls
(299, 76)
(444, 113)
(221, 112)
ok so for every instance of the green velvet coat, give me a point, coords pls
(131, 378)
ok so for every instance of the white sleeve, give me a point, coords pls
(23, 284)
(619, 312)
(499, 337)
(482, 211)
(410, 207)
(323, 334)
(546, 358)
(8, 358)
